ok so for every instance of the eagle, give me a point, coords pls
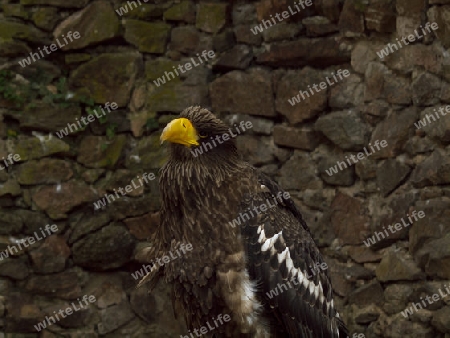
(240, 251)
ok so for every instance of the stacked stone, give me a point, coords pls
(121, 57)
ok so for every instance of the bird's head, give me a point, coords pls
(197, 126)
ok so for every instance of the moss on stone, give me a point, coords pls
(45, 17)
(211, 17)
(108, 77)
(148, 37)
(112, 152)
(184, 11)
(151, 154)
(33, 148)
(143, 12)
(14, 30)
(156, 68)
(16, 10)
(57, 3)
(10, 187)
(13, 48)
(361, 5)
(76, 58)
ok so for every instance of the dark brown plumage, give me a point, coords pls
(231, 270)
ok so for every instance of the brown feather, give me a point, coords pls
(200, 196)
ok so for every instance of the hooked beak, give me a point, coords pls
(180, 131)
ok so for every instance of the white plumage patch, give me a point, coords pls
(262, 237)
(282, 255)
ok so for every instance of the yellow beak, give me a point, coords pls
(180, 131)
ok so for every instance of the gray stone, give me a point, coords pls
(185, 39)
(183, 11)
(346, 129)
(433, 170)
(282, 31)
(244, 13)
(347, 94)
(367, 294)
(299, 162)
(244, 34)
(108, 248)
(390, 175)
(434, 257)
(299, 138)
(63, 285)
(56, 3)
(114, 317)
(439, 14)
(148, 37)
(239, 57)
(351, 20)
(426, 89)
(395, 130)
(437, 124)
(223, 41)
(436, 212)
(396, 297)
(344, 177)
(14, 268)
(367, 314)
(96, 23)
(441, 319)
(317, 52)
(10, 223)
(44, 171)
(307, 105)
(243, 93)
(397, 265)
(319, 26)
(211, 17)
(256, 150)
(113, 83)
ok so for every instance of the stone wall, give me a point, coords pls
(87, 54)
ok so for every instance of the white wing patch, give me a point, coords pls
(293, 272)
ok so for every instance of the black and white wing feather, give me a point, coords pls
(281, 254)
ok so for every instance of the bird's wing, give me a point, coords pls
(280, 253)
